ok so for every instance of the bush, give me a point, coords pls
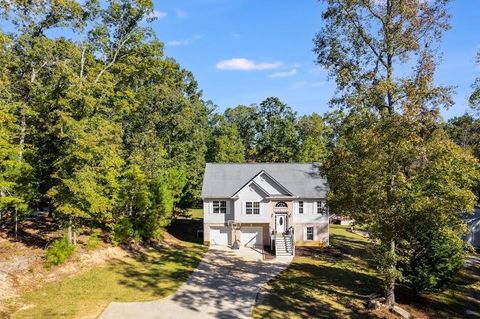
(58, 252)
(124, 231)
(93, 241)
(434, 260)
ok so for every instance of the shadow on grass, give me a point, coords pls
(187, 230)
(328, 282)
(36, 232)
(312, 290)
(351, 246)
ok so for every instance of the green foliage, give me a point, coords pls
(433, 258)
(123, 231)
(226, 145)
(475, 97)
(94, 240)
(313, 139)
(58, 252)
(409, 173)
(278, 138)
(465, 131)
(247, 121)
(88, 117)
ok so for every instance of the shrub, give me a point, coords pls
(93, 241)
(124, 231)
(434, 260)
(58, 252)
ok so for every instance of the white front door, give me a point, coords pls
(251, 236)
(280, 223)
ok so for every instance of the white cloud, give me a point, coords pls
(242, 64)
(181, 13)
(176, 43)
(306, 84)
(157, 14)
(283, 74)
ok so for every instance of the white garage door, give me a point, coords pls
(251, 236)
(219, 236)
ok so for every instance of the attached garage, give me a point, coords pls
(251, 236)
(219, 236)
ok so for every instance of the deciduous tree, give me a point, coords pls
(392, 162)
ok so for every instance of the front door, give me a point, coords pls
(280, 223)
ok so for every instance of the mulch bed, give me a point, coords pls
(317, 252)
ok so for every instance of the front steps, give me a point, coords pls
(284, 245)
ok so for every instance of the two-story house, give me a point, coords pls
(265, 204)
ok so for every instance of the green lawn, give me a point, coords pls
(196, 213)
(334, 283)
(147, 275)
(329, 285)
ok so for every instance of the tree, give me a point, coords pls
(367, 46)
(475, 97)
(226, 145)
(278, 139)
(14, 172)
(364, 43)
(246, 119)
(409, 184)
(465, 131)
(312, 134)
(95, 111)
(87, 170)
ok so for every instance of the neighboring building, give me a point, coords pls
(265, 204)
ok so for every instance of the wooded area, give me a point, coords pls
(103, 130)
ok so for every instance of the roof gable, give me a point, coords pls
(267, 184)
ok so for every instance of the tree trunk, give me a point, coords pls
(74, 237)
(69, 233)
(22, 135)
(16, 224)
(390, 290)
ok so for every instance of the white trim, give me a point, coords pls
(252, 180)
(305, 233)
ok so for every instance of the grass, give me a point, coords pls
(146, 275)
(334, 283)
(195, 213)
(326, 284)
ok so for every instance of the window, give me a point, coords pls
(219, 207)
(309, 233)
(321, 208)
(252, 208)
(256, 208)
(281, 205)
(300, 207)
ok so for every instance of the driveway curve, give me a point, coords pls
(224, 285)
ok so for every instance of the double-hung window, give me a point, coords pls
(300, 207)
(219, 207)
(252, 208)
(309, 233)
(321, 207)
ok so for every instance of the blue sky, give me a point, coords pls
(272, 42)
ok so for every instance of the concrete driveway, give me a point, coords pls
(224, 285)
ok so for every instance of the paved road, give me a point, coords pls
(224, 285)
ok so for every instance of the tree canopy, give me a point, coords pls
(392, 166)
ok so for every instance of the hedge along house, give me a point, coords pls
(265, 204)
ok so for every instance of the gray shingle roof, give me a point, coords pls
(302, 179)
